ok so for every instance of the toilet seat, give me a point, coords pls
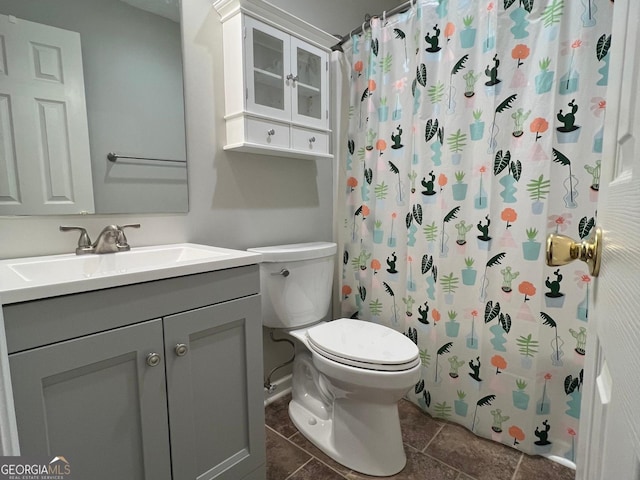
(363, 344)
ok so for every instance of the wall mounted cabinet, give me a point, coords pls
(276, 76)
(153, 381)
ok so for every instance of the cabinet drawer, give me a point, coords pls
(310, 141)
(265, 132)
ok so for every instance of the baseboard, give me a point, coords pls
(283, 387)
(561, 461)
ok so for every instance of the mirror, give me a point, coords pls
(82, 79)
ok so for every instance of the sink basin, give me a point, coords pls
(25, 279)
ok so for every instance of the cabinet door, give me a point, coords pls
(216, 402)
(267, 64)
(95, 401)
(310, 88)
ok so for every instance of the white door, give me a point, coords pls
(609, 444)
(45, 165)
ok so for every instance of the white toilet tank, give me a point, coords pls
(296, 282)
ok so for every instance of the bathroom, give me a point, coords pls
(235, 200)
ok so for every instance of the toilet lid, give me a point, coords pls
(364, 345)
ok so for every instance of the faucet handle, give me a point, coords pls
(84, 242)
(123, 246)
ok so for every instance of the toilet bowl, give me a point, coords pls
(348, 375)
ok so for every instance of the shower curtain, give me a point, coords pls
(474, 129)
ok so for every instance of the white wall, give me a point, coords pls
(236, 200)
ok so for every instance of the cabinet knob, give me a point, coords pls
(181, 349)
(271, 132)
(312, 139)
(153, 359)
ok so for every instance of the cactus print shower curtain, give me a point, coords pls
(475, 128)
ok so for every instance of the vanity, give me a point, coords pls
(140, 365)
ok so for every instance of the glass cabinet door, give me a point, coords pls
(309, 106)
(268, 64)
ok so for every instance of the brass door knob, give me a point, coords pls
(562, 250)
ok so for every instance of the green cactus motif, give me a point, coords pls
(470, 79)
(554, 286)
(455, 366)
(508, 277)
(492, 72)
(568, 120)
(581, 339)
(408, 301)
(519, 117)
(595, 174)
(462, 229)
(433, 40)
(498, 420)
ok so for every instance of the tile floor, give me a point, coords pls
(429, 445)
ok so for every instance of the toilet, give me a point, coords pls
(348, 375)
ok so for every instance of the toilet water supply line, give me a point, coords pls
(267, 383)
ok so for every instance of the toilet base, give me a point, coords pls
(362, 436)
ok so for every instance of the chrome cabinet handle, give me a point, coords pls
(294, 79)
(181, 349)
(312, 139)
(153, 359)
(271, 132)
(284, 272)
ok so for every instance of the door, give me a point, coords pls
(309, 97)
(609, 444)
(45, 165)
(214, 379)
(96, 401)
(267, 70)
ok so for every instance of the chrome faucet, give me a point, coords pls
(111, 239)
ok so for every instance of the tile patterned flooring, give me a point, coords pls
(429, 445)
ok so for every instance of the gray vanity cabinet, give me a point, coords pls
(153, 381)
(96, 399)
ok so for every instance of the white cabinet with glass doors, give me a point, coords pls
(277, 96)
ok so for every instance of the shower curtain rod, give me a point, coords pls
(403, 7)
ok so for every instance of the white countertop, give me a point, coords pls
(32, 278)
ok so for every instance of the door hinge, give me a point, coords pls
(246, 93)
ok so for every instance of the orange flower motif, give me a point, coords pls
(381, 145)
(547, 376)
(509, 215)
(576, 44)
(346, 290)
(539, 125)
(571, 432)
(365, 211)
(483, 169)
(352, 182)
(449, 30)
(442, 180)
(372, 85)
(435, 314)
(520, 52)
(474, 313)
(375, 265)
(358, 66)
(394, 215)
(490, 6)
